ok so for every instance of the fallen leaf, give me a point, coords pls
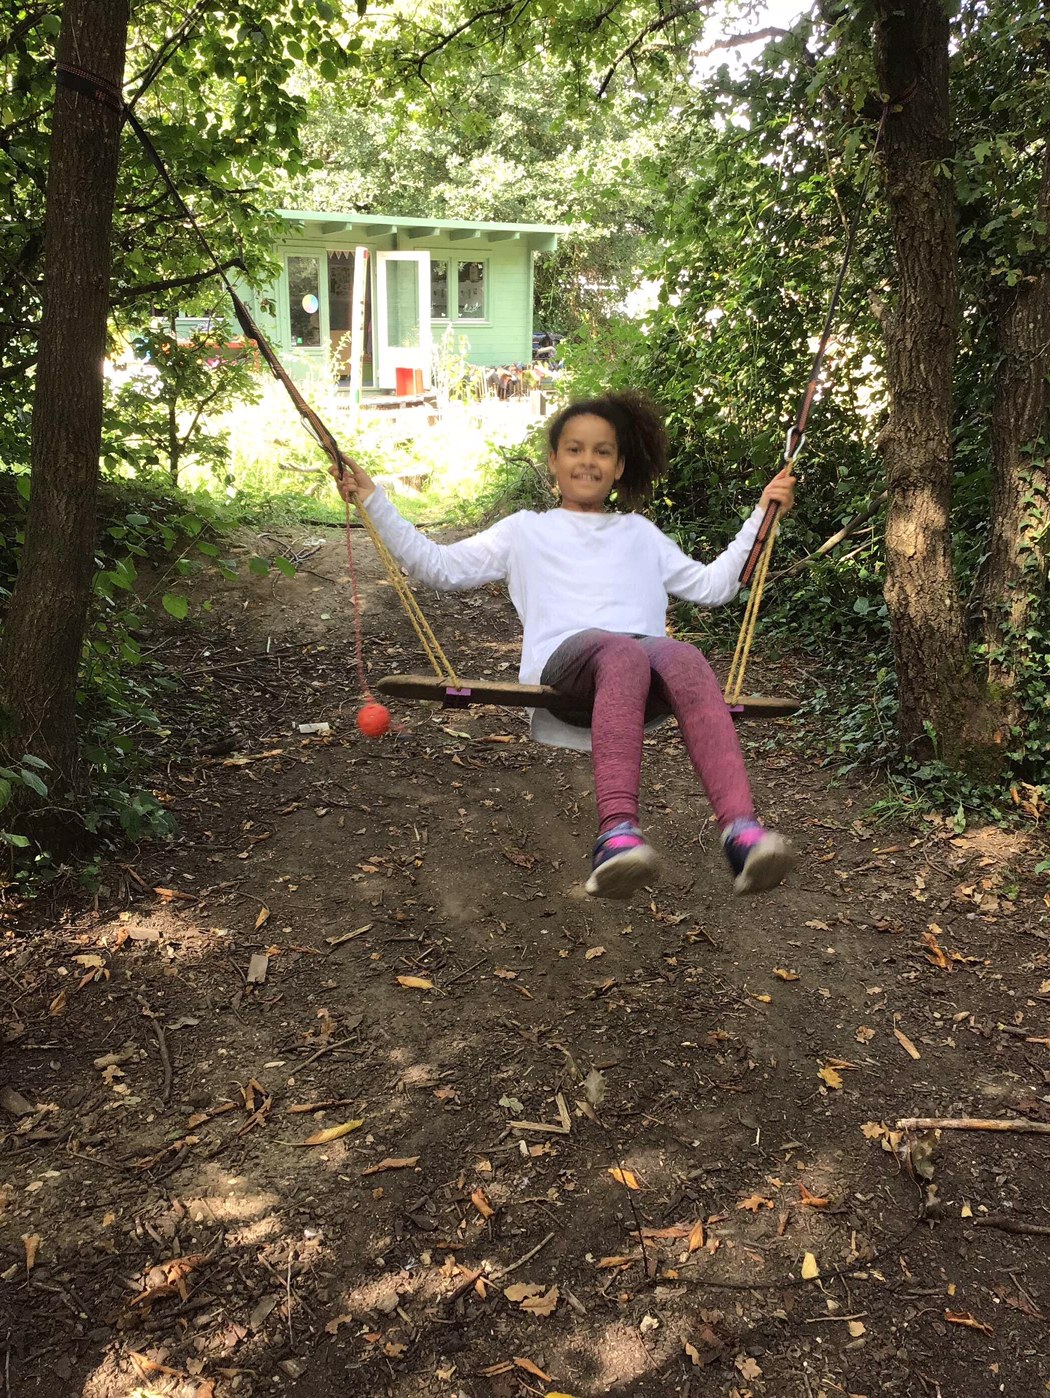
(415, 983)
(58, 1004)
(542, 1305)
(783, 975)
(91, 959)
(873, 1130)
(864, 1034)
(31, 1243)
(748, 1368)
(809, 1200)
(763, 999)
(818, 926)
(521, 1291)
(480, 1201)
(810, 1270)
(905, 1043)
(626, 1177)
(934, 951)
(392, 1163)
(856, 1328)
(592, 952)
(965, 1318)
(530, 1368)
(505, 975)
(145, 1365)
(829, 1076)
(330, 1133)
(607, 1262)
(264, 915)
(169, 893)
(754, 1202)
(696, 1237)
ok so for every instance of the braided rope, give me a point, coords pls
(436, 656)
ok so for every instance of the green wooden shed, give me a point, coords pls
(383, 291)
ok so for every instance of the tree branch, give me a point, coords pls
(133, 293)
(737, 41)
(653, 27)
(847, 529)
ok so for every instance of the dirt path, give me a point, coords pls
(167, 1229)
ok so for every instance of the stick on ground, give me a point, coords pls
(972, 1123)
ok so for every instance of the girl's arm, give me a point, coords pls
(447, 567)
(711, 584)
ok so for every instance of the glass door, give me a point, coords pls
(403, 321)
(350, 316)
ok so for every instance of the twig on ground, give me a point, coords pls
(162, 1044)
(1013, 1225)
(972, 1123)
(513, 1267)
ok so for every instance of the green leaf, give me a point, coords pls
(19, 841)
(32, 781)
(176, 605)
(283, 565)
(31, 761)
(258, 566)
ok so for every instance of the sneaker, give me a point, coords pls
(759, 858)
(623, 861)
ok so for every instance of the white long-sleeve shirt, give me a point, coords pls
(568, 571)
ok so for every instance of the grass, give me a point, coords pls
(451, 465)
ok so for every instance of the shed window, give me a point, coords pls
(438, 290)
(472, 291)
(304, 301)
(468, 281)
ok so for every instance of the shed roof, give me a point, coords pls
(335, 222)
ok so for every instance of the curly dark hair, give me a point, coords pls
(640, 436)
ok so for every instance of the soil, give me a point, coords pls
(393, 933)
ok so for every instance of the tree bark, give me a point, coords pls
(1014, 575)
(41, 652)
(936, 685)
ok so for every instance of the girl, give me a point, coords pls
(591, 589)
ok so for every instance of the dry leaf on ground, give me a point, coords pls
(696, 1237)
(748, 1367)
(415, 983)
(812, 1201)
(330, 1133)
(530, 1368)
(783, 975)
(520, 1291)
(905, 1043)
(864, 1034)
(542, 1305)
(393, 1162)
(754, 1202)
(627, 1177)
(965, 1318)
(810, 1270)
(829, 1076)
(480, 1201)
(592, 952)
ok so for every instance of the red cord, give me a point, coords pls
(359, 649)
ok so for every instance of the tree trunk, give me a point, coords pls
(1014, 575)
(936, 685)
(40, 657)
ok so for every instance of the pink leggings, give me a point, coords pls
(627, 680)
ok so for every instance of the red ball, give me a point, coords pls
(373, 720)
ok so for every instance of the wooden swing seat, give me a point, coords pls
(535, 696)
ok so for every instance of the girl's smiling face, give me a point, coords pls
(587, 462)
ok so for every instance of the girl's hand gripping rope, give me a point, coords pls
(355, 485)
(780, 491)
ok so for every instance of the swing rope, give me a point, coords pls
(756, 568)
